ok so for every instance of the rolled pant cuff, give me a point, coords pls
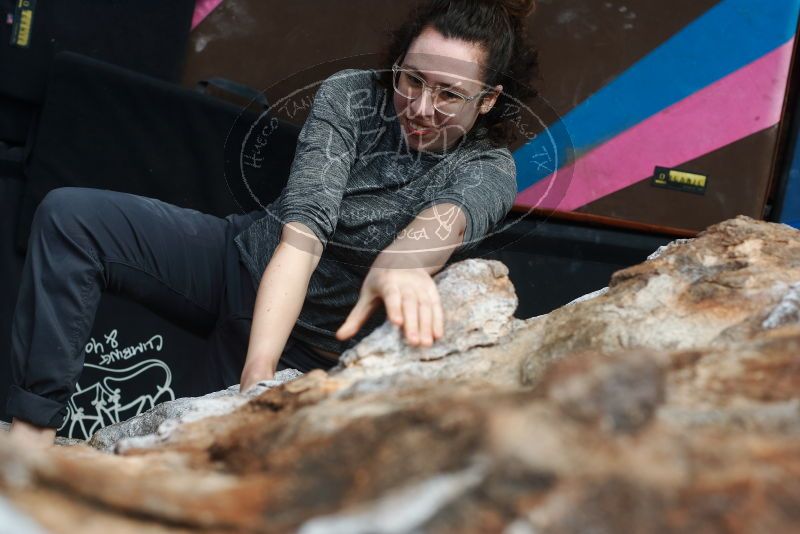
(34, 409)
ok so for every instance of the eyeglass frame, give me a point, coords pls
(467, 99)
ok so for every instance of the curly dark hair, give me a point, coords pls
(496, 25)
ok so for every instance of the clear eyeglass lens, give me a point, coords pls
(411, 87)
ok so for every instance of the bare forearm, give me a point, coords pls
(427, 243)
(279, 300)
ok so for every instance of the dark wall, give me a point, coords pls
(10, 268)
(553, 262)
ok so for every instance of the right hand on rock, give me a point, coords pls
(411, 299)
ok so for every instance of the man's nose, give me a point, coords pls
(423, 105)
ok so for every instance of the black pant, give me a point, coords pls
(180, 263)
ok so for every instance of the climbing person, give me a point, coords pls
(397, 172)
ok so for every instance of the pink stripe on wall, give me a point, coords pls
(201, 10)
(740, 104)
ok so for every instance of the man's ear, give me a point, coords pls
(489, 100)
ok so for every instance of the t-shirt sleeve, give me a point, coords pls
(485, 189)
(326, 149)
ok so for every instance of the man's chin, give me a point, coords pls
(418, 146)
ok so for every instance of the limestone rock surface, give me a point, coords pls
(668, 402)
(159, 422)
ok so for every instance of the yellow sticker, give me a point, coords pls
(23, 23)
(690, 182)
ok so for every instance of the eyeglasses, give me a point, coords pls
(445, 101)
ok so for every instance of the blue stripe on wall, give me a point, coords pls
(791, 206)
(790, 211)
(725, 38)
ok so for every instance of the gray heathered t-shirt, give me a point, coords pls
(356, 184)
